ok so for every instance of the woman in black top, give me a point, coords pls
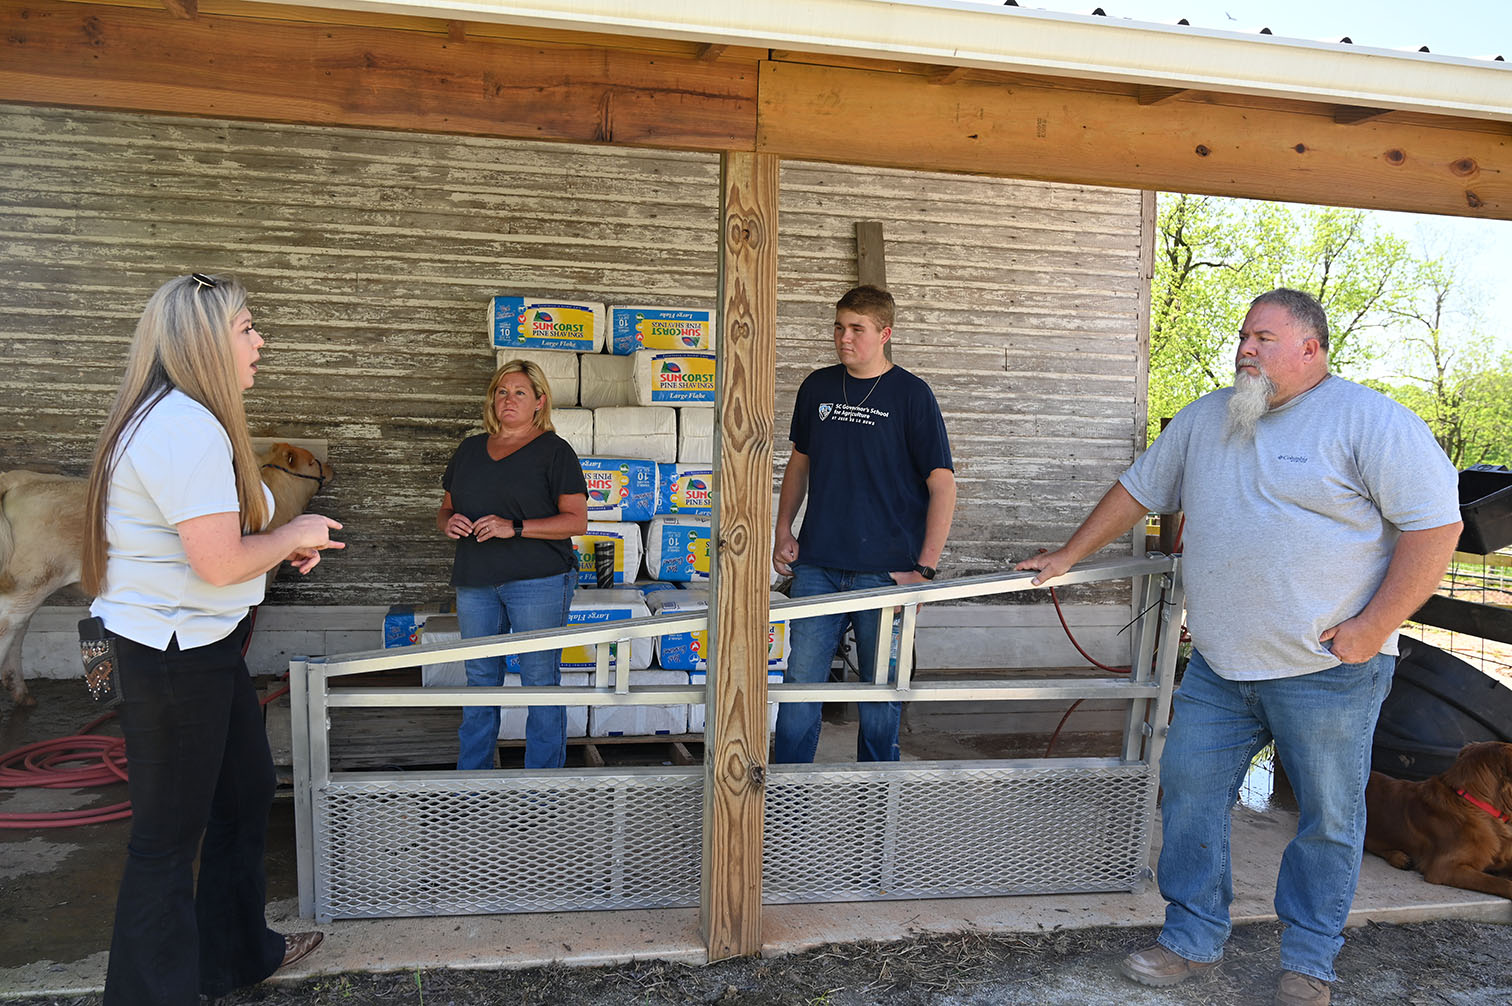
(514, 498)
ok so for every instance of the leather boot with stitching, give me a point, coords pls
(1158, 967)
(1296, 989)
(297, 946)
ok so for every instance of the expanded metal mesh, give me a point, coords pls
(465, 844)
(941, 830)
(459, 844)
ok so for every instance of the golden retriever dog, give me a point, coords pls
(41, 539)
(1454, 828)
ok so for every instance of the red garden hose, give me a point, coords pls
(1176, 548)
(84, 759)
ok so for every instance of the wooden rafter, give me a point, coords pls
(946, 74)
(1148, 94)
(1348, 115)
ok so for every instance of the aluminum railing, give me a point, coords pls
(384, 843)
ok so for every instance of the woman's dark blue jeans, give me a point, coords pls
(199, 766)
(515, 606)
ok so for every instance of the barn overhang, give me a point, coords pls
(955, 87)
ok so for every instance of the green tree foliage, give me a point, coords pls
(1455, 382)
(1214, 255)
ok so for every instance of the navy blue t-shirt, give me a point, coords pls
(524, 485)
(871, 445)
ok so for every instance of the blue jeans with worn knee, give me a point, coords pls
(1322, 724)
(815, 641)
(515, 606)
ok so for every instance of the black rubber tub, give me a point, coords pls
(1485, 495)
(1438, 704)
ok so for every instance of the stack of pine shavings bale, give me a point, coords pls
(632, 391)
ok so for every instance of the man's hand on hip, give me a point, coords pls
(1354, 641)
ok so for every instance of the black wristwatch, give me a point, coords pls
(927, 572)
(519, 527)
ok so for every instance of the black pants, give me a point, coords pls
(197, 755)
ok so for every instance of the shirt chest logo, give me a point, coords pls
(825, 410)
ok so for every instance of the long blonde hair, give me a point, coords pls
(182, 341)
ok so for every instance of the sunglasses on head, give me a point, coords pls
(203, 282)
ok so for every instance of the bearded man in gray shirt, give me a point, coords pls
(1319, 515)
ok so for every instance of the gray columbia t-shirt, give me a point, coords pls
(1290, 534)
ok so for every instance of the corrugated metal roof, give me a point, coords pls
(1200, 22)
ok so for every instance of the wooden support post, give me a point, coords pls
(871, 262)
(871, 253)
(735, 737)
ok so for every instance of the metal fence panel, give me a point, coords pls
(939, 829)
(469, 843)
(385, 844)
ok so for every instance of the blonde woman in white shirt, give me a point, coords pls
(174, 553)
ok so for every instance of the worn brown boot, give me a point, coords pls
(1158, 967)
(1296, 989)
(297, 946)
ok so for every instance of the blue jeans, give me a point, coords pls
(815, 641)
(1322, 725)
(201, 781)
(515, 606)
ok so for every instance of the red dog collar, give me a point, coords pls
(1483, 805)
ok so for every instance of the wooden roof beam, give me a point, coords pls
(1049, 133)
(347, 75)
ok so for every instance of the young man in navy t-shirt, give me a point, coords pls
(871, 454)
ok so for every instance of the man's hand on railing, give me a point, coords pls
(1049, 565)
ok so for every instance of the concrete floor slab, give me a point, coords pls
(40, 963)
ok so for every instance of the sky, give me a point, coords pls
(1478, 29)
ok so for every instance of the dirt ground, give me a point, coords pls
(1449, 963)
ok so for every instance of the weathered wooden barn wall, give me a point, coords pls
(1018, 301)
(370, 256)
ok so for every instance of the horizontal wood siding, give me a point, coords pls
(1019, 302)
(370, 256)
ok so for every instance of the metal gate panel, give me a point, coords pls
(459, 843)
(942, 829)
(386, 844)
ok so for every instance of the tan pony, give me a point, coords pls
(41, 539)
